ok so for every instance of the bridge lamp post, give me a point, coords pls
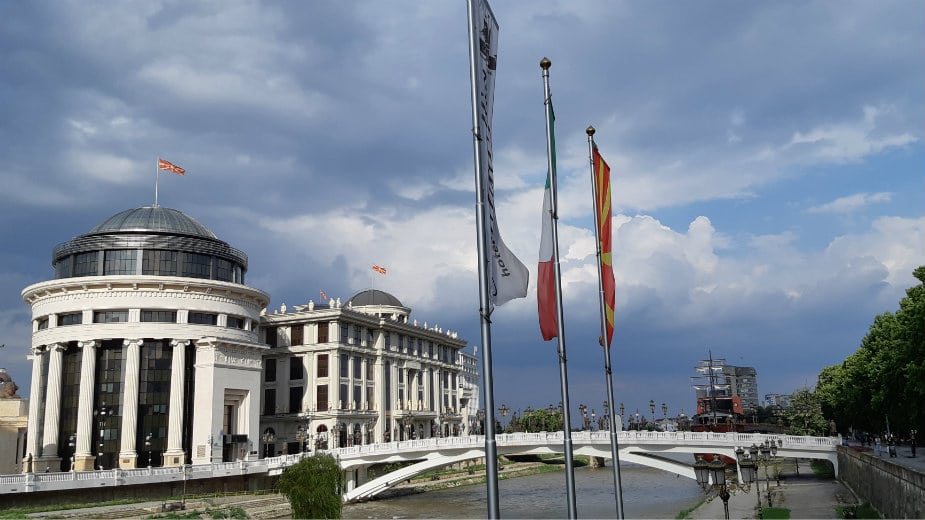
(593, 418)
(481, 418)
(101, 419)
(268, 440)
(300, 438)
(584, 415)
(749, 468)
(715, 471)
(652, 407)
(665, 410)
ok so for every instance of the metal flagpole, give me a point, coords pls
(614, 443)
(157, 174)
(563, 372)
(491, 449)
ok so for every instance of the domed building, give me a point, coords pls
(145, 348)
(362, 372)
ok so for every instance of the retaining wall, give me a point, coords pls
(896, 491)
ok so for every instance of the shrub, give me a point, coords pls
(314, 487)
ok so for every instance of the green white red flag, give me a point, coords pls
(546, 269)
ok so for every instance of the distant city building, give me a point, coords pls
(149, 349)
(717, 379)
(777, 400)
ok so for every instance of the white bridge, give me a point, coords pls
(646, 448)
(640, 447)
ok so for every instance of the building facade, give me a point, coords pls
(339, 375)
(144, 348)
(148, 349)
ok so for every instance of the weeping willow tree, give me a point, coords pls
(314, 487)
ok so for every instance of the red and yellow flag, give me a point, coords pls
(169, 166)
(379, 269)
(604, 235)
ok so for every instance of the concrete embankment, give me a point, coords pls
(894, 486)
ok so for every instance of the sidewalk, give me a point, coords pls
(806, 495)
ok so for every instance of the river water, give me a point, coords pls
(647, 493)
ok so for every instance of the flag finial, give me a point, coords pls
(545, 63)
(590, 131)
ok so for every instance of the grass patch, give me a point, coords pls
(233, 512)
(22, 512)
(775, 512)
(823, 468)
(686, 513)
(864, 510)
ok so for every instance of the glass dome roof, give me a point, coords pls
(153, 219)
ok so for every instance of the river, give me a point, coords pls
(647, 493)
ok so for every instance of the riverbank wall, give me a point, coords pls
(896, 491)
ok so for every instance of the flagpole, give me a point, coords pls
(157, 174)
(491, 448)
(560, 323)
(614, 443)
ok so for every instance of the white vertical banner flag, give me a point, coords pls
(508, 275)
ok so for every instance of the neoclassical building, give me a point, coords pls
(148, 349)
(145, 347)
(338, 375)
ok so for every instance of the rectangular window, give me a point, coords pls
(43, 323)
(322, 365)
(295, 399)
(388, 340)
(322, 333)
(344, 365)
(119, 261)
(203, 318)
(159, 316)
(271, 336)
(357, 330)
(369, 371)
(357, 397)
(357, 368)
(344, 332)
(235, 322)
(269, 401)
(297, 333)
(296, 368)
(73, 318)
(159, 263)
(110, 316)
(65, 267)
(321, 398)
(223, 270)
(196, 265)
(343, 396)
(269, 370)
(370, 398)
(85, 264)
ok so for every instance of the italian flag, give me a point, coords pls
(546, 275)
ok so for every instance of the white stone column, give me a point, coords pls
(35, 396)
(379, 388)
(175, 412)
(129, 427)
(364, 368)
(53, 403)
(83, 455)
(334, 378)
(308, 398)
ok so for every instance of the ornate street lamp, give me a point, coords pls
(593, 418)
(148, 448)
(584, 415)
(72, 443)
(715, 471)
(300, 437)
(101, 414)
(269, 438)
(665, 410)
(748, 466)
(652, 407)
(481, 417)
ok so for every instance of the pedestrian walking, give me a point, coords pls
(877, 444)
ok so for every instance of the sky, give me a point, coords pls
(766, 157)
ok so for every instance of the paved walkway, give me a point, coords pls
(805, 495)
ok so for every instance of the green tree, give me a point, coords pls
(314, 486)
(805, 414)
